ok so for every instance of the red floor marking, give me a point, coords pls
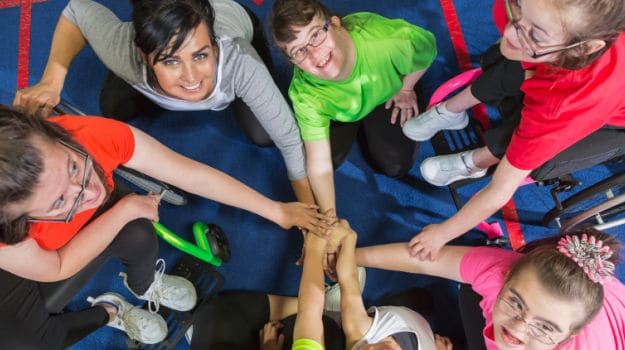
(509, 213)
(23, 49)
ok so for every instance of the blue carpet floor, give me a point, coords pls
(380, 209)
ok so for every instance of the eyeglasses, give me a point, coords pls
(86, 175)
(529, 45)
(513, 308)
(316, 39)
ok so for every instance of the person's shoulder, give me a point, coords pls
(361, 19)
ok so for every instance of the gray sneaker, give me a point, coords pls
(333, 292)
(443, 170)
(137, 323)
(435, 119)
(170, 291)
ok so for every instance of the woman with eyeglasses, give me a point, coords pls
(182, 55)
(60, 210)
(556, 77)
(354, 76)
(557, 293)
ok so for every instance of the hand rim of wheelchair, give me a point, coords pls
(605, 207)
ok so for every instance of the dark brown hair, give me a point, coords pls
(286, 14)
(21, 164)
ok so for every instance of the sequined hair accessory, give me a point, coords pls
(590, 254)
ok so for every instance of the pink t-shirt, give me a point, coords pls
(485, 269)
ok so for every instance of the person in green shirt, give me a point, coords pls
(353, 76)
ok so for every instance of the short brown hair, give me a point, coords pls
(562, 276)
(286, 14)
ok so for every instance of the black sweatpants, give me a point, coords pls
(119, 100)
(25, 319)
(384, 144)
(500, 86)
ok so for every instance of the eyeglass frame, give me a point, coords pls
(531, 328)
(86, 175)
(323, 30)
(523, 36)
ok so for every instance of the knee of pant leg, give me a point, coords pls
(261, 139)
(139, 235)
(395, 171)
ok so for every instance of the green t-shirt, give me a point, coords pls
(386, 50)
(306, 344)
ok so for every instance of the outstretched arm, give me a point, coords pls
(156, 160)
(396, 257)
(321, 173)
(26, 259)
(355, 320)
(504, 183)
(39, 99)
(308, 324)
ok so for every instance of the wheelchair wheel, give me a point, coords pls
(586, 200)
(606, 215)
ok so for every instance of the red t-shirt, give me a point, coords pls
(110, 143)
(561, 106)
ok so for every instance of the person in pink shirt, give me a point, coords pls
(559, 293)
(556, 77)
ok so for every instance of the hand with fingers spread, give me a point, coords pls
(270, 336)
(37, 100)
(442, 343)
(404, 105)
(427, 244)
(304, 216)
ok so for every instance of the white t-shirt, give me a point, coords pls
(389, 320)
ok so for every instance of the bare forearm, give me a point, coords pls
(67, 42)
(410, 80)
(396, 257)
(322, 184)
(303, 191)
(91, 241)
(199, 178)
(310, 301)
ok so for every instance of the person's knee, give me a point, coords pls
(261, 139)
(139, 234)
(395, 171)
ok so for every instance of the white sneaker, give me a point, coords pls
(173, 292)
(137, 323)
(435, 119)
(443, 170)
(333, 292)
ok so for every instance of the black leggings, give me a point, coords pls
(25, 317)
(232, 321)
(500, 86)
(119, 100)
(384, 144)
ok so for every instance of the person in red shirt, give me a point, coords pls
(60, 209)
(557, 77)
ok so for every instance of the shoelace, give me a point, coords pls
(153, 294)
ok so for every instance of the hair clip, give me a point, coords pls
(590, 254)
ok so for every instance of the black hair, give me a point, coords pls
(161, 26)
